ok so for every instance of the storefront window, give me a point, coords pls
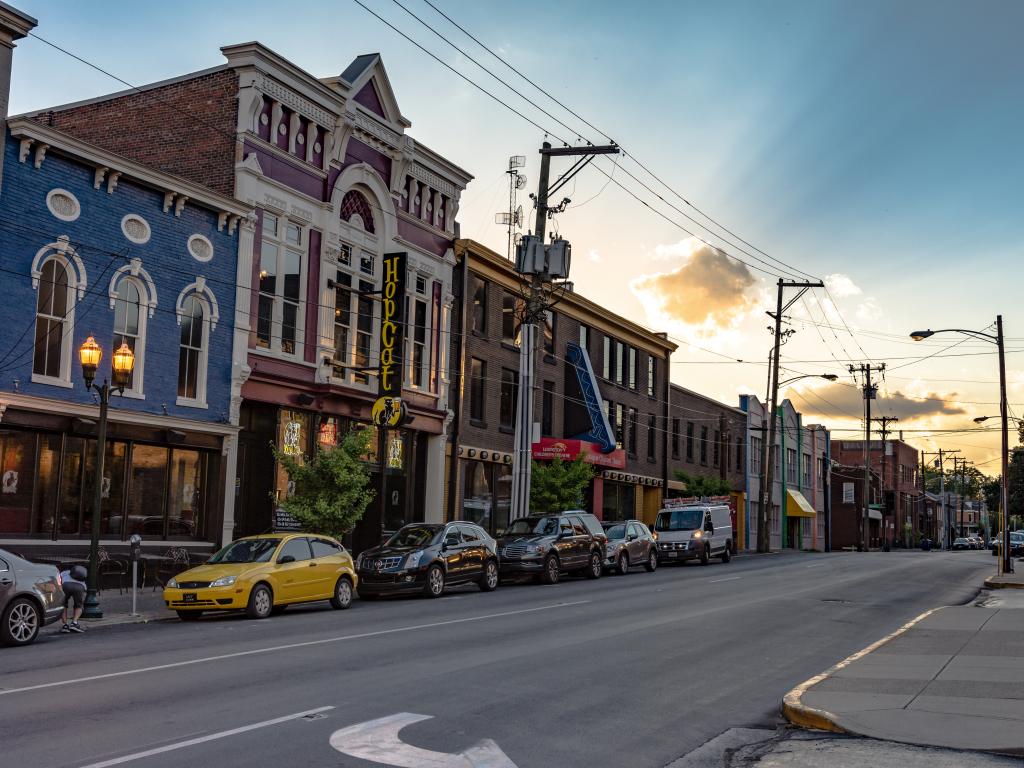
(112, 490)
(17, 470)
(185, 507)
(487, 495)
(292, 440)
(49, 475)
(147, 490)
(619, 501)
(71, 486)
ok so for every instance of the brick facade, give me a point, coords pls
(691, 415)
(185, 127)
(901, 481)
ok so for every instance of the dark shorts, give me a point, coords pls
(74, 592)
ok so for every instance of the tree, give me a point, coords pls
(1016, 483)
(704, 485)
(559, 485)
(332, 487)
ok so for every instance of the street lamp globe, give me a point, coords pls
(122, 364)
(90, 355)
(921, 335)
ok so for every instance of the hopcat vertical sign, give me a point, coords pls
(387, 409)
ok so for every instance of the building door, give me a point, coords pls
(793, 532)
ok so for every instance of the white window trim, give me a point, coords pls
(410, 328)
(147, 305)
(75, 270)
(209, 303)
(63, 217)
(137, 240)
(277, 314)
(356, 274)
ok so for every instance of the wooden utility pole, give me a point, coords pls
(764, 537)
(885, 421)
(870, 393)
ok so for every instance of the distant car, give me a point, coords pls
(264, 574)
(427, 557)
(1016, 544)
(30, 598)
(961, 543)
(546, 546)
(630, 543)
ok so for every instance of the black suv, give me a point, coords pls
(426, 557)
(549, 545)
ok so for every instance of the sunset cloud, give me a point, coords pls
(841, 286)
(708, 291)
(838, 400)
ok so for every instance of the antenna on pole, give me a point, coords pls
(512, 219)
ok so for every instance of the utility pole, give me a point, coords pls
(870, 393)
(541, 264)
(764, 538)
(885, 421)
(947, 522)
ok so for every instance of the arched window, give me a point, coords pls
(355, 204)
(192, 352)
(52, 356)
(130, 327)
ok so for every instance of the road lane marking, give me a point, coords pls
(202, 739)
(378, 742)
(727, 578)
(288, 646)
(814, 565)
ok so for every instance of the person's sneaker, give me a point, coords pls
(75, 627)
(65, 629)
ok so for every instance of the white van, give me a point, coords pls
(694, 531)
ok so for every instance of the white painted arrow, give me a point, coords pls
(378, 742)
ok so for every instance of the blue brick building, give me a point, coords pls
(97, 245)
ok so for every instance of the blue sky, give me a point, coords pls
(878, 141)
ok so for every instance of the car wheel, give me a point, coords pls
(596, 567)
(623, 565)
(435, 582)
(652, 562)
(21, 622)
(489, 581)
(342, 594)
(261, 602)
(705, 555)
(727, 554)
(189, 615)
(552, 570)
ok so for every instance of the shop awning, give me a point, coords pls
(874, 514)
(797, 505)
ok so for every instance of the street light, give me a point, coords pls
(122, 363)
(997, 339)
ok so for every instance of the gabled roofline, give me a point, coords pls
(456, 173)
(735, 410)
(27, 128)
(15, 23)
(125, 92)
(255, 53)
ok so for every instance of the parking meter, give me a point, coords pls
(135, 542)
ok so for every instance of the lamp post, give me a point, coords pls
(997, 339)
(121, 366)
(767, 481)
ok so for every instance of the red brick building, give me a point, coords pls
(900, 482)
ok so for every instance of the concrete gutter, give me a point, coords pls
(805, 716)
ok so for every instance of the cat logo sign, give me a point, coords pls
(388, 411)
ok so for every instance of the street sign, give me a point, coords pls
(392, 326)
(284, 522)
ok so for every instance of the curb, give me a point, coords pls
(1002, 584)
(799, 714)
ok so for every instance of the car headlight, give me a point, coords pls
(172, 583)
(223, 581)
(697, 534)
(536, 549)
(413, 558)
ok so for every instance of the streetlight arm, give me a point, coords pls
(919, 335)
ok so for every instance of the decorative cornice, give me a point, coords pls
(368, 125)
(289, 98)
(430, 178)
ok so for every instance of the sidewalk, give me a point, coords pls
(953, 677)
(117, 609)
(1013, 580)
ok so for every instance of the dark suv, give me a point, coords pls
(549, 545)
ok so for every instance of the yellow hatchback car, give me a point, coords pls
(263, 575)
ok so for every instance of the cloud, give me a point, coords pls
(684, 249)
(868, 310)
(839, 400)
(841, 286)
(709, 291)
(593, 256)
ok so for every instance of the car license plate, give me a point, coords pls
(189, 597)
(673, 554)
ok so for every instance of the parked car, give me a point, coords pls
(630, 543)
(265, 574)
(427, 557)
(30, 598)
(1016, 544)
(546, 546)
(695, 531)
(961, 543)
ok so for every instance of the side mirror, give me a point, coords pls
(285, 559)
(631, 537)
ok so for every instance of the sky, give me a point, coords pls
(872, 145)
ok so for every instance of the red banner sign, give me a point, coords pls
(550, 448)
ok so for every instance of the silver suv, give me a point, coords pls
(30, 598)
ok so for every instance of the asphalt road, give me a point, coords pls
(627, 670)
